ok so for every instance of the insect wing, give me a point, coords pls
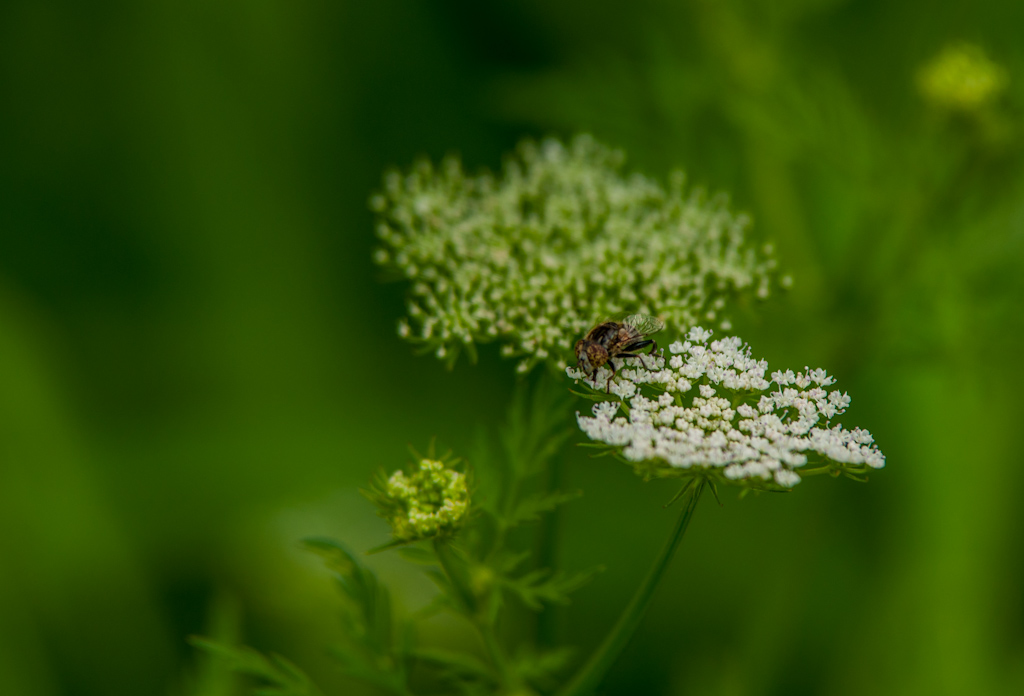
(645, 324)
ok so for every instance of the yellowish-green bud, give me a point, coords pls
(962, 78)
(431, 501)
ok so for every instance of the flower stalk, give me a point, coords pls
(548, 620)
(458, 575)
(591, 674)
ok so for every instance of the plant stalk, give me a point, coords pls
(456, 573)
(591, 674)
(549, 619)
(457, 576)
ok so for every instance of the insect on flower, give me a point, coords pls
(616, 339)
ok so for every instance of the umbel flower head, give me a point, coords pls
(561, 239)
(962, 78)
(719, 414)
(430, 501)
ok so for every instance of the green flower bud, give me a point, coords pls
(962, 78)
(431, 501)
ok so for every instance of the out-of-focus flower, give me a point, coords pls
(431, 501)
(962, 78)
(561, 239)
(720, 414)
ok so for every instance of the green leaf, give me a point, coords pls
(540, 668)
(536, 427)
(369, 615)
(714, 490)
(530, 508)
(604, 451)
(458, 576)
(393, 544)
(542, 586)
(449, 599)
(418, 555)
(381, 672)
(679, 495)
(281, 677)
(437, 604)
(370, 653)
(459, 664)
(593, 395)
(507, 561)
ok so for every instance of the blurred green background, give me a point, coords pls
(198, 365)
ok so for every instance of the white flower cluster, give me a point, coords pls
(742, 426)
(560, 240)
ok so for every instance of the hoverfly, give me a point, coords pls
(616, 339)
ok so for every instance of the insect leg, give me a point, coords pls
(654, 347)
(608, 386)
(635, 355)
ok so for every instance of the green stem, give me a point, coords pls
(550, 617)
(494, 651)
(591, 674)
(458, 576)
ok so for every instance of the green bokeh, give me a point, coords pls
(198, 365)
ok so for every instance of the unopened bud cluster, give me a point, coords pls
(429, 502)
(720, 413)
(534, 257)
(962, 78)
